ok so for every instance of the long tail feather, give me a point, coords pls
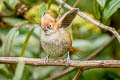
(73, 49)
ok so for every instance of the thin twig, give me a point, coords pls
(92, 55)
(77, 75)
(83, 15)
(76, 3)
(59, 10)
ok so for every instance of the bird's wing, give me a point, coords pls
(67, 19)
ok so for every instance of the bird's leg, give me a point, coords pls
(67, 60)
(46, 59)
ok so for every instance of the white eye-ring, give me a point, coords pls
(49, 26)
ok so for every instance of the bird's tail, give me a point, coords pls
(74, 50)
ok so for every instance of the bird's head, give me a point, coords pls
(50, 25)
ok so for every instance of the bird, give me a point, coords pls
(54, 39)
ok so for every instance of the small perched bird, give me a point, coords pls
(54, 38)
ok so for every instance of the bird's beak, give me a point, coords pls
(44, 29)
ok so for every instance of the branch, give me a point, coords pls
(77, 75)
(83, 15)
(73, 63)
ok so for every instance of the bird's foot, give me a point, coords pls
(67, 60)
(46, 59)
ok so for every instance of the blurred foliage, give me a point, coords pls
(19, 71)
(20, 32)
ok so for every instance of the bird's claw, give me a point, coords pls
(46, 59)
(67, 60)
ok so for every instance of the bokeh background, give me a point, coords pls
(20, 33)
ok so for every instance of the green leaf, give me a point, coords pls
(29, 2)
(26, 41)
(110, 9)
(0, 5)
(97, 10)
(85, 45)
(19, 71)
(41, 10)
(8, 43)
(11, 3)
(40, 13)
(101, 2)
(12, 21)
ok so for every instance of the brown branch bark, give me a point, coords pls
(80, 71)
(92, 55)
(84, 16)
(73, 63)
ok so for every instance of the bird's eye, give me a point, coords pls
(49, 26)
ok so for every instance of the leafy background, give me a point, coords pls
(20, 32)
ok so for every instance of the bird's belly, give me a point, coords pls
(55, 47)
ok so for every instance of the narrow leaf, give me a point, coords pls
(12, 21)
(40, 12)
(8, 43)
(101, 3)
(110, 9)
(97, 10)
(19, 71)
(26, 41)
(12, 3)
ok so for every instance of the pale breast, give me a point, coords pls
(57, 44)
